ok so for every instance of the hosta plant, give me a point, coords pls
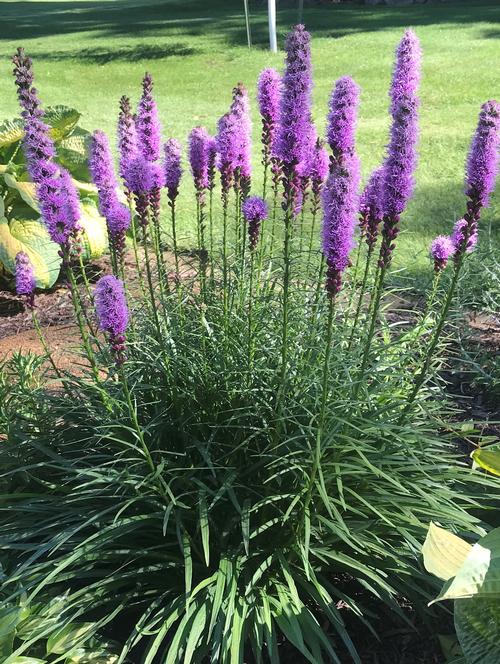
(245, 459)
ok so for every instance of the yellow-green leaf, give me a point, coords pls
(30, 236)
(95, 235)
(27, 190)
(444, 553)
(488, 458)
(62, 121)
(480, 573)
(11, 131)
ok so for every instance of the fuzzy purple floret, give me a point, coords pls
(254, 211)
(198, 153)
(148, 123)
(143, 176)
(268, 95)
(295, 103)
(25, 277)
(255, 208)
(172, 166)
(127, 136)
(240, 109)
(212, 158)
(370, 201)
(111, 305)
(57, 196)
(344, 103)
(441, 250)
(407, 69)
(483, 158)
(460, 232)
(340, 207)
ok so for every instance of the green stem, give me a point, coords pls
(211, 231)
(133, 415)
(355, 274)
(136, 250)
(150, 281)
(420, 378)
(174, 242)
(250, 315)
(36, 325)
(286, 292)
(361, 295)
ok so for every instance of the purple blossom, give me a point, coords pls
(25, 278)
(147, 123)
(370, 206)
(112, 313)
(407, 69)
(172, 167)
(340, 206)
(295, 103)
(212, 157)
(143, 176)
(199, 145)
(461, 231)
(57, 196)
(254, 211)
(482, 161)
(441, 250)
(344, 103)
(127, 136)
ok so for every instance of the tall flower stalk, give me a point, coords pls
(399, 167)
(291, 143)
(173, 172)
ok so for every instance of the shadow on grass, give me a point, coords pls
(224, 20)
(102, 56)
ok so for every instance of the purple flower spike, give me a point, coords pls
(240, 109)
(482, 162)
(172, 167)
(212, 157)
(340, 206)
(406, 75)
(344, 103)
(142, 176)
(442, 249)
(199, 143)
(254, 211)
(127, 136)
(295, 104)
(463, 238)
(57, 196)
(370, 207)
(102, 171)
(112, 313)
(227, 140)
(25, 278)
(268, 96)
(147, 123)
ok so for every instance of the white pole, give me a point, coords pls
(247, 21)
(301, 10)
(273, 43)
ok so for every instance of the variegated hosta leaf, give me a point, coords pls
(480, 573)
(30, 236)
(488, 458)
(11, 131)
(27, 190)
(72, 153)
(477, 623)
(444, 553)
(95, 235)
(62, 121)
(67, 638)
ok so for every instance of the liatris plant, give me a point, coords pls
(25, 279)
(199, 146)
(220, 486)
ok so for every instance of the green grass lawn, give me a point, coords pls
(88, 53)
